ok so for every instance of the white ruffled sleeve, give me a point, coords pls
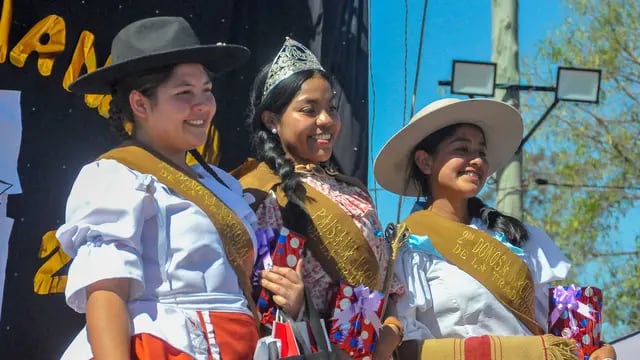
(548, 263)
(411, 269)
(106, 210)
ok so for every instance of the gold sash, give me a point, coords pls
(337, 243)
(483, 257)
(236, 240)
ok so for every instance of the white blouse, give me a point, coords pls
(443, 301)
(124, 224)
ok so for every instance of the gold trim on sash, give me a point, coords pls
(338, 244)
(483, 257)
(236, 240)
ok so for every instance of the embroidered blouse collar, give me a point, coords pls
(314, 169)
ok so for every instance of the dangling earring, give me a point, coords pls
(128, 127)
(274, 131)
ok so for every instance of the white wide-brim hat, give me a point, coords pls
(501, 124)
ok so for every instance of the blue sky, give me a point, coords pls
(454, 30)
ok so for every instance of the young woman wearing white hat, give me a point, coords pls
(469, 269)
(162, 251)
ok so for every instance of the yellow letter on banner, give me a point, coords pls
(103, 107)
(47, 280)
(5, 25)
(84, 54)
(53, 26)
(99, 101)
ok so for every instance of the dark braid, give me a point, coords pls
(271, 152)
(119, 114)
(512, 228)
(267, 145)
(147, 84)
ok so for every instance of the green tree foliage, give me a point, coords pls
(593, 145)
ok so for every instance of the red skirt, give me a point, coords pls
(235, 335)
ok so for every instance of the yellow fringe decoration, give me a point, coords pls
(559, 348)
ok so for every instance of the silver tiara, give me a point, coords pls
(293, 57)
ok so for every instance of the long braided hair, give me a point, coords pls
(513, 229)
(267, 146)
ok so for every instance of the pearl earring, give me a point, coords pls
(274, 131)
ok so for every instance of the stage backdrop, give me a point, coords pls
(43, 46)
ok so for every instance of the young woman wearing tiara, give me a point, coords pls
(297, 185)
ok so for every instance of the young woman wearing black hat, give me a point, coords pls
(162, 250)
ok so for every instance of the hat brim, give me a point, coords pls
(216, 58)
(500, 122)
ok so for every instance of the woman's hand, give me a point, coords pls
(604, 352)
(287, 287)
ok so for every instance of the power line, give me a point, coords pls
(404, 103)
(546, 182)
(420, 47)
(373, 101)
(417, 76)
(620, 253)
(406, 56)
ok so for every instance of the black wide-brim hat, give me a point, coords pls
(153, 43)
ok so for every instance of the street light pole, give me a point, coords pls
(537, 124)
(504, 28)
(501, 79)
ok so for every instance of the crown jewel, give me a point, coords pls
(293, 57)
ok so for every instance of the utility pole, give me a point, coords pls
(504, 32)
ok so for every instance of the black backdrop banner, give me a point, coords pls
(61, 133)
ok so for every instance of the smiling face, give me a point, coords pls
(458, 168)
(309, 124)
(176, 119)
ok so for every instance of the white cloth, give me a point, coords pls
(124, 224)
(443, 301)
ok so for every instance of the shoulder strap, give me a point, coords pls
(256, 179)
(486, 259)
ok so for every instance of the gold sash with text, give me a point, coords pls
(337, 243)
(235, 238)
(483, 257)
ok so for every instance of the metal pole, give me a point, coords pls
(537, 124)
(504, 27)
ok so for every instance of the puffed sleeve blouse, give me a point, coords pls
(442, 301)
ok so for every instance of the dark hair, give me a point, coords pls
(512, 228)
(147, 84)
(267, 145)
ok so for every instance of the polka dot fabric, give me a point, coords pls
(358, 337)
(588, 335)
(287, 250)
